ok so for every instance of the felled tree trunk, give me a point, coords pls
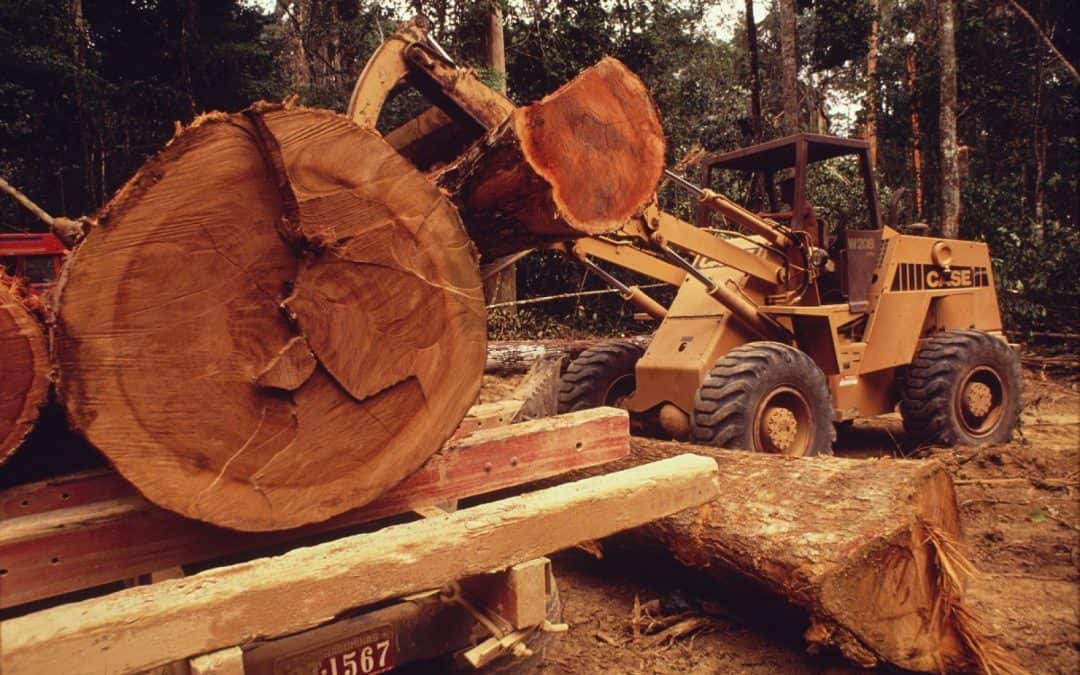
(867, 548)
(506, 357)
(275, 320)
(24, 367)
(581, 161)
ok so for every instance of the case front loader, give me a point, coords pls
(781, 324)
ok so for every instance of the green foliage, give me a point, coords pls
(840, 30)
(80, 112)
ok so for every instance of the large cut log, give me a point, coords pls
(868, 548)
(275, 320)
(24, 367)
(581, 161)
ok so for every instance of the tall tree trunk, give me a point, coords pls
(189, 35)
(789, 67)
(295, 16)
(755, 72)
(91, 191)
(1039, 151)
(950, 168)
(916, 132)
(501, 287)
(871, 83)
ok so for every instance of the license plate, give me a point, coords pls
(366, 654)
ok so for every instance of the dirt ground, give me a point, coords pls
(1021, 509)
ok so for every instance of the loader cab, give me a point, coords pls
(775, 177)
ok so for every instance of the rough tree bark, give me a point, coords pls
(950, 167)
(869, 549)
(789, 67)
(290, 330)
(755, 72)
(916, 131)
(872, 83)
(521, 184)
(24, 368)
(501, 287)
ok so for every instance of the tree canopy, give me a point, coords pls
(90, 88)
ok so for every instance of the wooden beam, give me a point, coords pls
(487, 416)
(59, 551)
(144, 627)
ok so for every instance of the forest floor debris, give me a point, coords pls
(1021, 507)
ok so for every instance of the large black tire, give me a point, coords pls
(765, 397)
(963, 387)
(600, 375)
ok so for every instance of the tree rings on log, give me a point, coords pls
(24, 367)
(277, 319)
(581, 161)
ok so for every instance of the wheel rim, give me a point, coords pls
(784, 423)
(980, 401)
(618, 391)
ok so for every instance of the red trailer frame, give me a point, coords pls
(35, 257)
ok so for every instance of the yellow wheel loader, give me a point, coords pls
(783, 324)
(789, 323)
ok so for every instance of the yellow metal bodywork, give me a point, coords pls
(407, 55)
(911, 297)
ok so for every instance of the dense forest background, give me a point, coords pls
(90, 88)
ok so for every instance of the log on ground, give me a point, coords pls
(24, 367)
(274, 321)
(581, 161)
(506, 357)
(868, 548)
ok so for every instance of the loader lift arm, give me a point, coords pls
(656, 244)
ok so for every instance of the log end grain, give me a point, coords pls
(599, 143)
(277, 319)
(24, 367)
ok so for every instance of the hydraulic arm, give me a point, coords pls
(656, 244)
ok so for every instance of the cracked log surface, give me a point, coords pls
(263, 331)
(24, 367)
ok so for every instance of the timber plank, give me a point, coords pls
(144, 627)
(55, 552)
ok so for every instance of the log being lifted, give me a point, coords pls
(278, 317)
(24, 367)
(867, 548)
(583, 160)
